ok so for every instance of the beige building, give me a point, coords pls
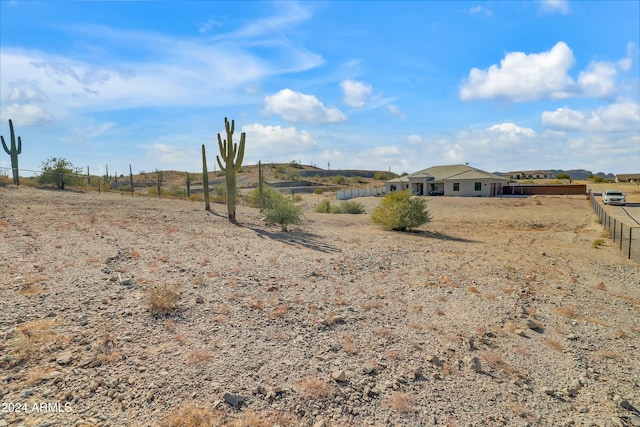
(452, 180)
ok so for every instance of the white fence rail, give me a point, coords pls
(359, 192)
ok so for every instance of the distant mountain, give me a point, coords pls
(582, 174)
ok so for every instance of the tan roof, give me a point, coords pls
(442, 173)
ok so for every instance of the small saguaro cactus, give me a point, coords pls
(205, 179)
(13, 152)
(231, 155)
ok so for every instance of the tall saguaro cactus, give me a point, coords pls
(231, 155)
(13, 152)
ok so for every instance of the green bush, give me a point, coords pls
(339, 180)
(268, 195)
(401, 211)
(318, 191)
(323, 207)
(381, 176)
(352, 207)
(348, 207)
(282, 212)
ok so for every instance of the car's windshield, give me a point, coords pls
(614, 193)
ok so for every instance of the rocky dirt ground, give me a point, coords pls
(498, 312)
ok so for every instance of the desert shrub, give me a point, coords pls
(282, 212)
(268, 195)
(323, 207)
(318, 190)
(352, 207)
(163, 299)
(339, 180)
(381, 176)
(401, 211)
(597, 243)
(335, 209)
(297, 198)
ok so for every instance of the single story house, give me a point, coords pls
(452, 180)
(528, 175)
(628, 177)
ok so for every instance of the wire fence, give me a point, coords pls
(623, 232)
(172, 184)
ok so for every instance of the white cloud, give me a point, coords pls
(298, 107)
(395, 110)
(598, 80)
(171, 155)
(26, 115)
(522, 77)
(619, 117)
(414, 139)
(480, 9)
(386, 151)
(356, 94)
(513, 131)
(276, 139)
(555, 6)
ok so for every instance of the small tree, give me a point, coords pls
(54, 170)
(563, 175)
(401, 211)
(282, 211)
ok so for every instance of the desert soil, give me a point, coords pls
(497, 312)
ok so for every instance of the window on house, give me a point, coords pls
(478, 186)
(456, 186)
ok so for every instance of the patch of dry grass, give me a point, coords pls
(163, 299)
(192, 415)
(313, 388)
(566, 311)
(553, 344)
(402, 402)
(199, 357)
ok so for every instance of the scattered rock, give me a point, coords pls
(234, 400)
(340, 376)
(548, 391)
(473, 363)
(64, 358)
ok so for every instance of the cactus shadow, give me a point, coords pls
(297, 238)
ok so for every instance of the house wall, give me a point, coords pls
(467, 187)
(400, 186)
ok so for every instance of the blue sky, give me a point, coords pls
(502, 85)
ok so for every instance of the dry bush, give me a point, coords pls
(313, 387)
(163, 299)
(383, 332)
(192, 415)
(473, 290)
(565, 311)
(110, 357)
(31, 337)
(553, 344)
(279, 311)
(402, 402)
(348, 343)
(371, 305)
(256, 304)
(497, 362)
(608, 354)
(198, 357)
(439, 312)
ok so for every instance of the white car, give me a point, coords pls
(614, 197)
